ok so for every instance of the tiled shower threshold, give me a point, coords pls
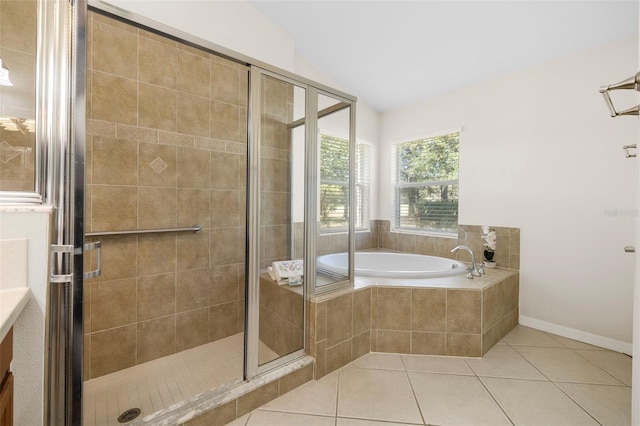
(161, 383)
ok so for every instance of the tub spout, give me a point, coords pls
(474, 272)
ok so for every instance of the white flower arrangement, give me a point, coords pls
(490, 242)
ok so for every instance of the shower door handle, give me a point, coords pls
(97, 245)
(59, 274)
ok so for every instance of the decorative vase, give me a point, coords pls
(488, 255)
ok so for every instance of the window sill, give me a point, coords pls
(450, 235)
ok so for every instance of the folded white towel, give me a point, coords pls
(287, 272)
(288, 268)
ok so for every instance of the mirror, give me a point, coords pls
(18, 35)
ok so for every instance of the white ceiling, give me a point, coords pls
(394, 53)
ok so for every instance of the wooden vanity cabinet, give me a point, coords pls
(6, 381)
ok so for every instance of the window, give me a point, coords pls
(426, 184)
(334, 184)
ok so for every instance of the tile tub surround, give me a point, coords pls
(441, 316)
(507, 254)
(166, 147)
(379, 236)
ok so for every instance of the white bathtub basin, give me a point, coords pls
(393, 265)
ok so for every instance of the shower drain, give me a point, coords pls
(129, 415)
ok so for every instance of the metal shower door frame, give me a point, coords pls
(61, 130)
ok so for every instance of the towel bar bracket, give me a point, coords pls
(631, 83)
(626, 149)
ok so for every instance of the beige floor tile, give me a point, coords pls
(534, 403)
(436, 364)
(455, 400)
(240, 421)
(356, 422)
(377, 395)
(317, 397)
(504, 361)
(614, 363)
(574, 344)
(564, 365)
(610, 405)
(273, 418)
(379, 361)
(525, 336)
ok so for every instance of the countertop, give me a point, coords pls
(12, 302)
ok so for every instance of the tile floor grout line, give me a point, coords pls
(413, 392)
(531, 363)
(576, 402)
(489, 392)
(597, 365)
(586, 359)
(380, 421)
(592, 384)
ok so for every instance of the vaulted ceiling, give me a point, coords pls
(395, 53)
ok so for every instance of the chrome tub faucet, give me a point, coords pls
(474, 272)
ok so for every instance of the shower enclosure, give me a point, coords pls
(188, 170)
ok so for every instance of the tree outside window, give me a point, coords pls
(426, 189)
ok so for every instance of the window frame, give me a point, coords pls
(397, 186)
(364, 213)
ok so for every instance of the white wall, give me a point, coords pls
(29, 328)
(538, 151)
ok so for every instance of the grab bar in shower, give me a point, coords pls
(195, 229)
(631, 83)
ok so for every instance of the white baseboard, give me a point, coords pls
(582, 336)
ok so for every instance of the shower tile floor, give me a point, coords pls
(160, 383)
(528, 378)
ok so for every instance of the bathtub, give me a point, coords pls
(392, 265)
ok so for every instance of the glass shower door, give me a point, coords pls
(279, 157)
(335, 148)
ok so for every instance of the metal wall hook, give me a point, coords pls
(631, 83)
(627, 148)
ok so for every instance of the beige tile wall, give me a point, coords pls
(281, 325)
(166, 148)
(18, 30)
(507, 253)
